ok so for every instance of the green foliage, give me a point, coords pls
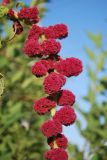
(0, 44)
(97, 39)
(3, 11)
(1, 84)
(20, 136)
(74, 153)
(90, 53)
(20, 4)
(96, 131)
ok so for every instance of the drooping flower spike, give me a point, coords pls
(42, 43)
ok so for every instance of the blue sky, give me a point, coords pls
(80, 16)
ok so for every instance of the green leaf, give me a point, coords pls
(97, 39)
(78, 124)
(101, 61)
(26, 82)
(3, 11)
(103, 81)
(38, 2)
(96, 157)
(17, 76)
(100, 88)
(0, 43)
(105, 52)
(20, 4)
(1, 84)
(91, 74)
(14, 115)
(91, 95)
(90, 53)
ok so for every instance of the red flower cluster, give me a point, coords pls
(53, 82)
(58, 31)
(35, 32)
(66, 97)
(69, 67)
(60, 140)
(43, 105)
(29, 14)
(66, 115)
(11, 15)
(50, 47)
(56, 154)
(40, 68)
(5, 2)
(51, 128)
(32, 48)
(41, 43)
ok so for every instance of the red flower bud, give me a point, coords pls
(53, 82)
(66, 115)
(40, 68)
(56, 154)
(43, 105)
(50, 47)
(51, 128)
(69, 67)
(60, 140)
(32, 48)
(35, 32)
(66, 97)
(29, 14)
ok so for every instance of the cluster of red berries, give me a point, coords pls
(5, 2)
(42, 43)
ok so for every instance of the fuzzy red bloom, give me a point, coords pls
(66, 97)
(60, 140)
(43, 105)
(51, 128)
(49, 32)
(35, 32)
(18, 28)
(11, 14)
(29, 14)
(5, 2)
(69, 67)
(66, 115)
(40, 68)
(32, 48)
(53, 82)
(60, 31)
(50, 47)
(56, 154)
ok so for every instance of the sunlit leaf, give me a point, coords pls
(3, 11)
(1, 84)
(20, 4)
(90, 53)
(96, 38)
